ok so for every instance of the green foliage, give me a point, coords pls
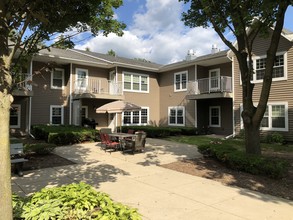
(274, 138)
(73, 201)
(64, 134)
(39, 148)
(238, 160)
(162, 132)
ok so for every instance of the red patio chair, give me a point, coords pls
(110, 144)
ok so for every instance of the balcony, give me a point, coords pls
(23, 87)
(97, 88)
(214, 87)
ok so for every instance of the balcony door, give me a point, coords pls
(214, 81)
(81, 79)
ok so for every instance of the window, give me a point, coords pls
(136, 117)
(15, 111)
(214, 80)
(279, 71)
(180, 81)
(56, 114)
(215, 116)
(275, 117)
(176, 115)
(57, 79)
(81, 79)
(135, 82)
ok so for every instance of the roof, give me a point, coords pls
(120, 61)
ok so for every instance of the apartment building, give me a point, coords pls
(200, 91)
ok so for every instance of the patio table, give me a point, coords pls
(121, 137)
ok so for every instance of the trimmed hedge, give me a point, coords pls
(238, 160)
(160, 132)
(64, 134)
(39, 148)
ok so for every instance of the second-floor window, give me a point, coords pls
(136, 117)
(81, 79)
(176, 115)
(135, 82)
(56, 114)
(180, 81)
(279, 71)
(57, 78)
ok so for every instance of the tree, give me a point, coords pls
(24, 27)
(64, 42)
(111, 53)
(245, 20)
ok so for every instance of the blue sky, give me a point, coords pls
(155, 32)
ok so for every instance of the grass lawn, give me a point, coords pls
(237, 143)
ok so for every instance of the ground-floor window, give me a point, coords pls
(136, 117)
(176, 115)
(84, 112)
(215, 116)
(275, 117)
(56, 114)
(15, 111)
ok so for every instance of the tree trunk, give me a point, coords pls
(5, 165)
(252, 139)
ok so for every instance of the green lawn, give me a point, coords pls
(238, 143)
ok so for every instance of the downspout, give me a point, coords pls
(30, 104)
(70, 95)
(195, 101)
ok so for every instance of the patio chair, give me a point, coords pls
(138, 144)
(103, 140)
(109, 144)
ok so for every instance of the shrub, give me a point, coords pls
(64, 134)
(39, 148)
(73, 201)
(274, 138)
(238, 160)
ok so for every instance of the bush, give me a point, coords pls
(40, 148)
(161, 132)
(64, 135)
(274, 138)
(238, 160)
(73, 201)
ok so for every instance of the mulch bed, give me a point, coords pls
(212, 169)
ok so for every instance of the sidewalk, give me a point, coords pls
(158, 193)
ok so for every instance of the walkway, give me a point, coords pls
(158, 193)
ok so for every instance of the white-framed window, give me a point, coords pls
(275, 117)
(279, 71)
(214, 80)
(176, 115)
(57, 78)
(136, 117)
(81, 79)
(215, 116)
(15, 114)
(180, 81)
(56, 114)
(84, 112)
(135, 82)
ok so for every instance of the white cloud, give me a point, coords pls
(157, 34)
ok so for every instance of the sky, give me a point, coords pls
(156, 33)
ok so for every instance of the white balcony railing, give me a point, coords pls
(25, 83)
(97, 86)
(210, 85)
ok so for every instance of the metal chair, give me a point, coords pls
(109, 144)
(138, 144)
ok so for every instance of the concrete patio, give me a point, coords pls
(158, 193)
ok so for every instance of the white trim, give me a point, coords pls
(18, 106)
(210, 116)
(218, 72)
(62, 113)
(131, 117)
(186, 83)
(86, 78)
(131, 82)
(70, 95)
(270, 128)
(176, 108)
(86, 111)
(52, 78)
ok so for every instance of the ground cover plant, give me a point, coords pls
(73, 201)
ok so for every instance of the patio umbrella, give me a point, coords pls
(118, 107)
